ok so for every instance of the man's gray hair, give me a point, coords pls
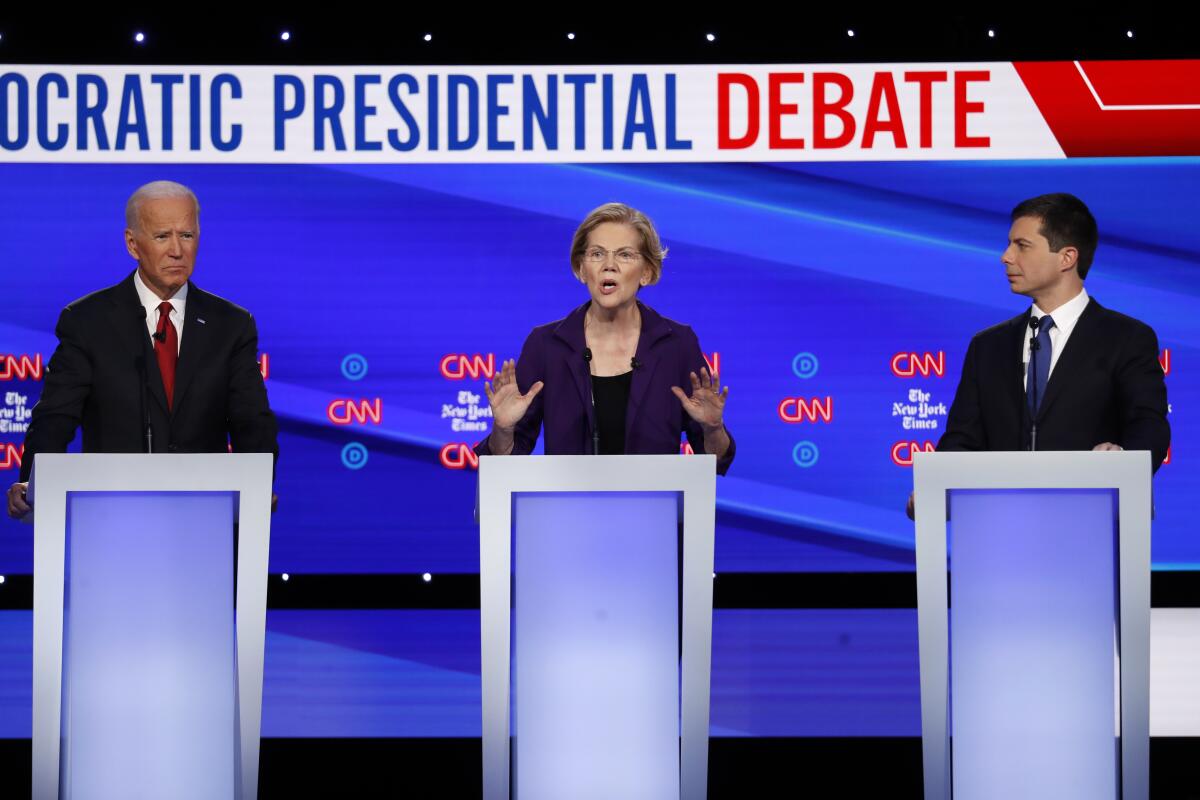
(156, 190)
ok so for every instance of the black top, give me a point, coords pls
(612, 399)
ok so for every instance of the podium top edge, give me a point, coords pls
(1058, 469)
(666, 472)
(151, 472)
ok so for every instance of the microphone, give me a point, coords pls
(633, 362)
(1034, 324)
(587, 358)
(160, 335)
(139, 364)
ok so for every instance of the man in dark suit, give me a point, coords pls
(153, 364)
(1083, 377)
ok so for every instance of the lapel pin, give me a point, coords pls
(200, 320)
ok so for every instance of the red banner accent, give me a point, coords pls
(1138, 107)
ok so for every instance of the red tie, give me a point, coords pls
(166, 349)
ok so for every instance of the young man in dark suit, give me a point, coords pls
(1090, 378)
(153, 363)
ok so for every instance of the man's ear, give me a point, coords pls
(1068, 258)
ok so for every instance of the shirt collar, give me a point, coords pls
(151, 301)
(1066, 315)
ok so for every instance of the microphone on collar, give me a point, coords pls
(587, 357)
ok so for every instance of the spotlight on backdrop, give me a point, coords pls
(285, 576)
(427, 577)
(139, 37)
(571, 36)
(429, 37)
(850, 33)
(712, 37)
(286, 36)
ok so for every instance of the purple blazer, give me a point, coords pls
(667, 351)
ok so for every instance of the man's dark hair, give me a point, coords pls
(1066, 221)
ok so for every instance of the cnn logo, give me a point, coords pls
(909, 365)
(902, 452)
(459, 366)
(457, 455)
(21, 368)
(344, 411)
(797, 409)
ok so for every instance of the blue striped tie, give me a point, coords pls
(1039, 360)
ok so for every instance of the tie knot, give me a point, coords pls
(1047, 322)
(164, 308)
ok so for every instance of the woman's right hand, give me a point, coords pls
(507, 402)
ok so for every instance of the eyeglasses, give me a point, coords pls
(626, 256)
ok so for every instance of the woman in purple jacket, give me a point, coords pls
(606, 379)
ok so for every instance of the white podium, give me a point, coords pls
(1035, 654)
(580, 601)
(146, 682)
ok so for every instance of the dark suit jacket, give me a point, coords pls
(654, 422)
(1106, 387)
(103, 374)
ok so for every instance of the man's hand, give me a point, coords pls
(1107, 447)
(17, 507)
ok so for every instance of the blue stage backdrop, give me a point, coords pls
(836, 301)
(834, 236)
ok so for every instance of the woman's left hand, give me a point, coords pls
(707, 403)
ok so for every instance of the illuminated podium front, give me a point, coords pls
(587, 663)
(1035, 654)
(147, 683)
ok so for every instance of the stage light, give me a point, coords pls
(285, 576)
(139, 37)
(850, 33)
(712, 37)
(571, 36)
(714, 576)
(1128, 34)
(285, 36)
(429, 37)
(991, 34)
(427, 577)
(1, 579)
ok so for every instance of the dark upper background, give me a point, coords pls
(212, 34)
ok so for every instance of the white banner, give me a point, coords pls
(857, 112)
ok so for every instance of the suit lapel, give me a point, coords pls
(192, 346)
(1016, 379)
(648, 356)
(129, 321)
(570, 332)
(1073, 356)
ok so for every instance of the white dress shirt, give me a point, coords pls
(1065, 317)
(151, 302)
